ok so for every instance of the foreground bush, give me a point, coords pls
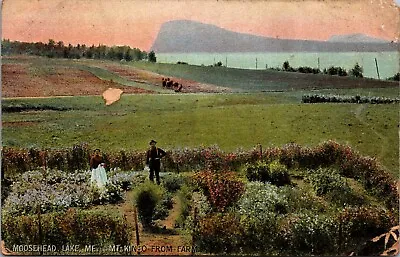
(172, 182)
(219, 233)
(147, 197)
(328, 182)
(312, 234)
(222, 189)
(365, 222)
(164, 205)
(185, 198)
(260, 208)
(74, 227)
(274, 173)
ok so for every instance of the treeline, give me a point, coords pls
(54, 49)
(356, 71)
(348, 99)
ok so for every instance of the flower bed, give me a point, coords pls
(54, 190)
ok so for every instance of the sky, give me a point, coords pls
(137, 22)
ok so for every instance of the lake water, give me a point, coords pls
(388, 62)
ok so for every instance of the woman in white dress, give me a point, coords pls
(99, 176)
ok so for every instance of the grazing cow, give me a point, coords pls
(179, 89)
(164, 82)
(169, 83)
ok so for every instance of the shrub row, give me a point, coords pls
(348, 99)
(73, 227)
(32, 107)
(19, 160)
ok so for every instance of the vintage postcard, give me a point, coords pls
(188, 127)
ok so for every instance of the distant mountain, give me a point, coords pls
(190, 36)
(356, 38)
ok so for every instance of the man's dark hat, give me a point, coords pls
(153, 141)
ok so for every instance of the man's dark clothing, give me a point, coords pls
(95, 161)
(153, 159)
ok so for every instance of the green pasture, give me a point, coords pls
(244, 80)
(230, 121)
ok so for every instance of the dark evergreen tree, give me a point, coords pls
(152, 57)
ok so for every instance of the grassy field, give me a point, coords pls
(230, 121)
(243, 80)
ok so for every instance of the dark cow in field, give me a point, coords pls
(164, 82)
(179, 89)
(169, 83)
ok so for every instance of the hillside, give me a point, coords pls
(190, 36)
(356, 38)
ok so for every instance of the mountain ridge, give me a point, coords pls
(192, 36)
(356, 37)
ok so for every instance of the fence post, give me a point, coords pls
(194, 230)
(136, 230)
(377, 68)
(40, 229)
(340, 235)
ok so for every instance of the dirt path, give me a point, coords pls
(165, 241)
(155, 79)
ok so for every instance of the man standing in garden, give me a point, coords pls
(153, 160)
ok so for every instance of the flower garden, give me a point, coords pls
(291, 200)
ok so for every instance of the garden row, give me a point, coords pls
(351, 164)
(290, 200)
(316, 98)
